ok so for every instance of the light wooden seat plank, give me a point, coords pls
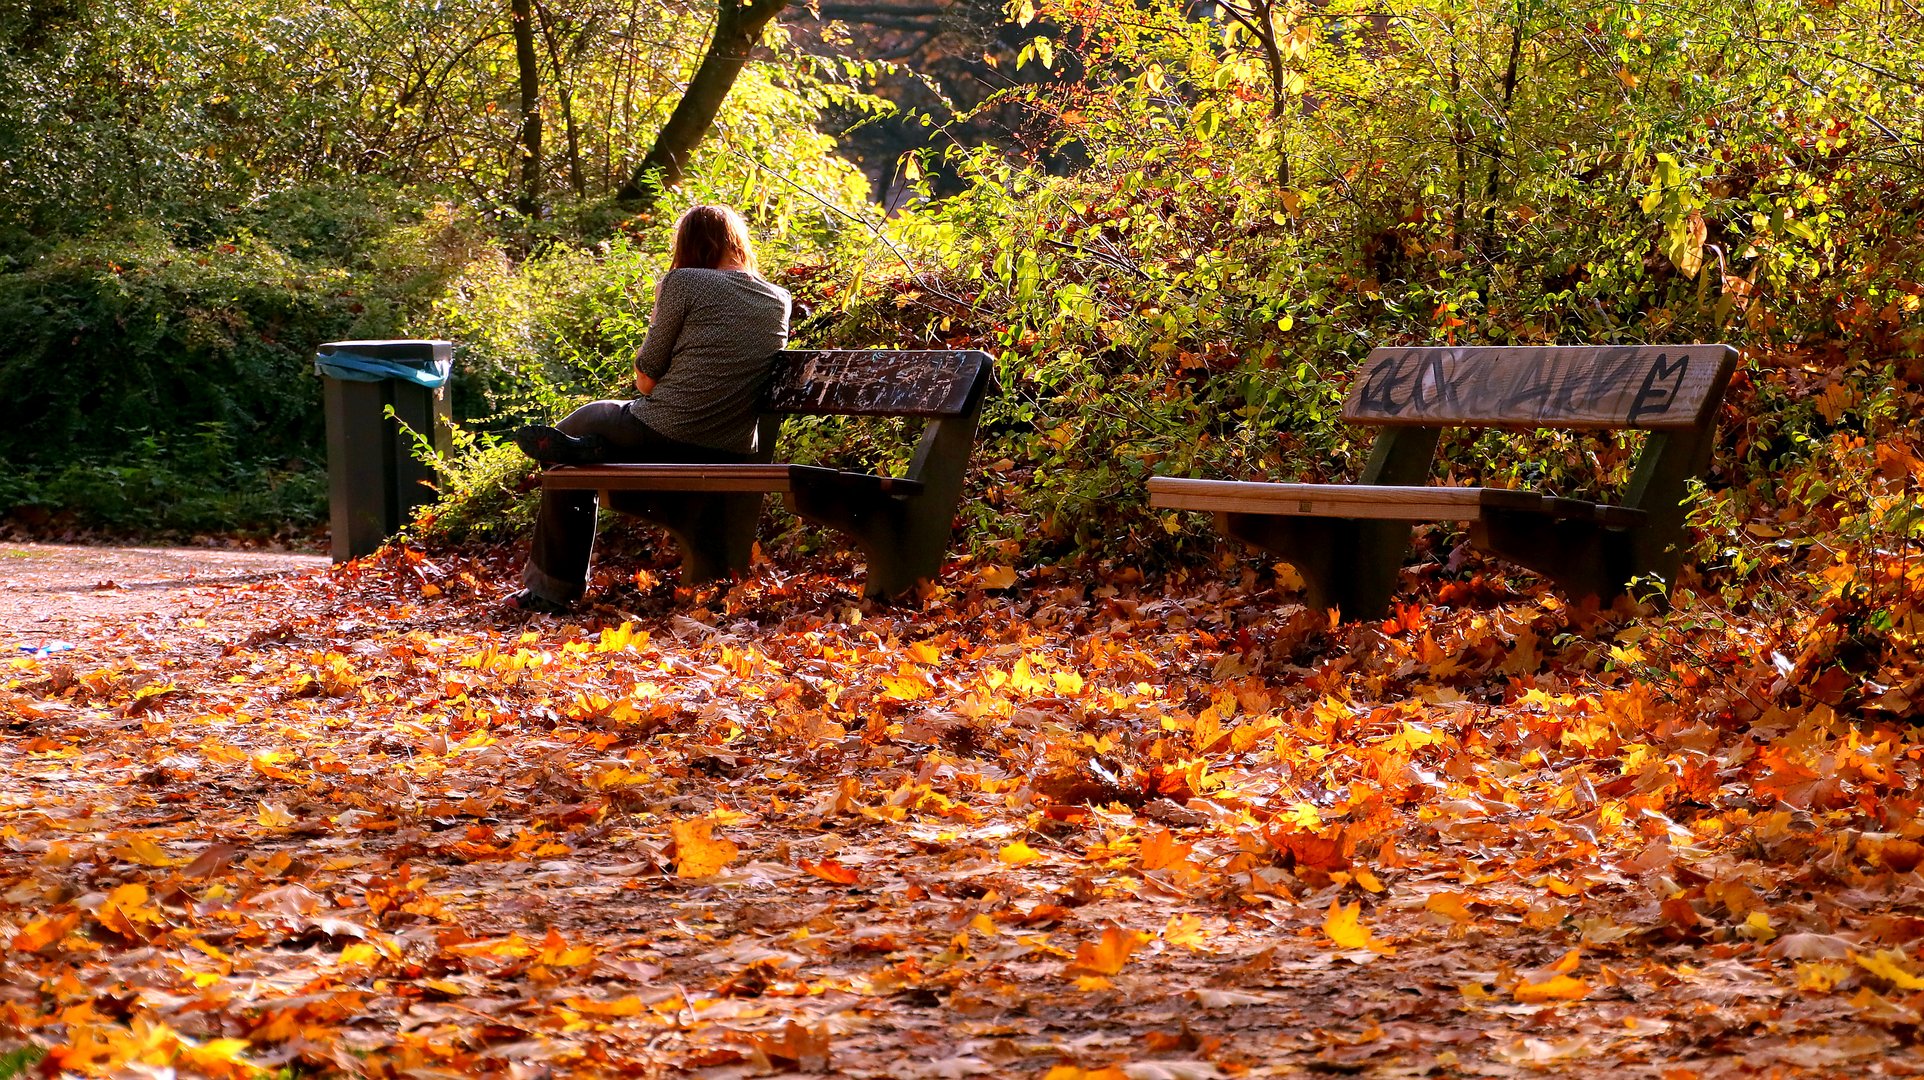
(774, 479)
(764, 478)
(1378, 502)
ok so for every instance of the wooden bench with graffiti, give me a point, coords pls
(1349, 540)
(900, 523)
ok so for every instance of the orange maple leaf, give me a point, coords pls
(1163, 850)
(1344, 925)
(1554, 988)
(699, 853)
(1107, 956)
(830, 870)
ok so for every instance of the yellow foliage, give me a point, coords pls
(699, 853)
(1344, 925)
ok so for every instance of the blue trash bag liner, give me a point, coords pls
(356, 367)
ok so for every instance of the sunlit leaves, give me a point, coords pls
(1106, 955)
(1344, 925)
(1018, 853)
(776, 838)
(699, 853)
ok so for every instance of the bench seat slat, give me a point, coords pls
(772, 478)
(1382, 502)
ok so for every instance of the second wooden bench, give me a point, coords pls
(1349, 540)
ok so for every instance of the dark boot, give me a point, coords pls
(552, 446)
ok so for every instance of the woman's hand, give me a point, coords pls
(643, 384)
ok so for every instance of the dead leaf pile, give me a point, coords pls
(1084, 827)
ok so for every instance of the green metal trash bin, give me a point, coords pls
(374, 479)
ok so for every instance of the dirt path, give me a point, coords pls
(69, 593)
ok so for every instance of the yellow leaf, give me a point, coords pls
(1888, 965)
(1554, 988)
(274, 816)
(997, 577)
(556, 952)
(1018, 853)
(216, 1057)
(125, 908)
(1344, 925)
(147, 853)
(1163, 849)
(698, 852)
(1821, 976)
(830, 870)
(903, 688)
(622, 1006)
(43, 932)
(1185, 931)
(359, 953)
(1107, 956)
(1452, 904)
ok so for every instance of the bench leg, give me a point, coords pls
(904, 539)
(1580, 558)
(1658, 487)
(900, 539)
(1346, 564)
(716, 532)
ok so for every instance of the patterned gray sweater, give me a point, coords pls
(709, 347)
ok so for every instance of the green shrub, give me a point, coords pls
(159, 384)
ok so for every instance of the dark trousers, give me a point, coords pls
(564, 531)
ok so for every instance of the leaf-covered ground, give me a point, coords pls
(357, 823)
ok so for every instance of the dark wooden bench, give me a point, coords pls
(900, 523)
(1349, 540)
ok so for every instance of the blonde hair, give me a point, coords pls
(707, 236)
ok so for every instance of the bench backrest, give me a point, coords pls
(1596, 387)
(869, 382)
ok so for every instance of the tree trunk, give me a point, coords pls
(1503, 130)
(565, 93)
(738, 27)
(528, 189)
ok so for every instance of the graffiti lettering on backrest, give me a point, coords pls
(1659, 387)
(902, 383)
(1524, 385)
(1607, 377)
(1379, 387)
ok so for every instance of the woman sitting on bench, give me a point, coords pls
(716, 329)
